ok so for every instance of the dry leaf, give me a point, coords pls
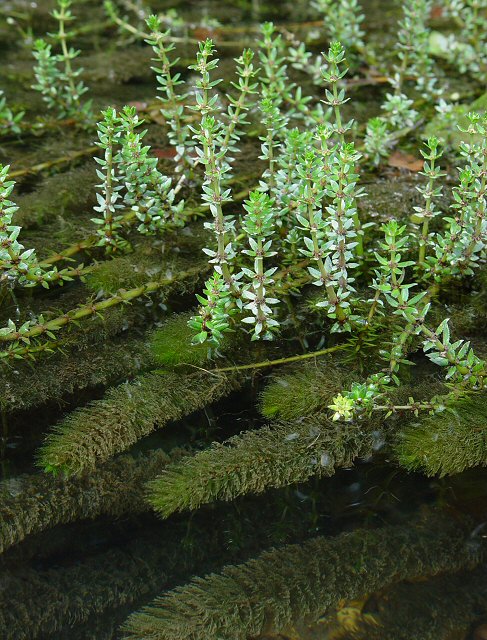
(436, 12)
(164, 153)
(402, 160)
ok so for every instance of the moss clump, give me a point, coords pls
(126, 272)
(281, 586)
(171, 344)
(303, 391)
(64, 193)
(126, 414)
(447, 443)
(257, 460)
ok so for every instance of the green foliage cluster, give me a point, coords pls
(268, 593)
(127, 413)
(126, 331)
(448, 443)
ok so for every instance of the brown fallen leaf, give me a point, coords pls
(164, 153)
(436, 12)
(401, 160)
(202, 33)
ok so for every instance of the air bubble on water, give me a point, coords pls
(292, 436)
(325, 460)
(378, 440)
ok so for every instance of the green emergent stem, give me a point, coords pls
(92, 309)
(37, 168)
(337, 103)
(219, 220)
(325, 276)
(279, 361)
(400, 348)
(66, 57)
(341, 248)
(427, 213)
(481, 212)
(127, 220)
(272, 161)
(170, 88)
(375, 301)
(239, 105)
(260, 278)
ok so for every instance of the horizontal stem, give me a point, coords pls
(279, 361)
(37, 168)
(122, 296)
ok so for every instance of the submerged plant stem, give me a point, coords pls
(279, 361)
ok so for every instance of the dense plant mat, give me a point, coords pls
(243, 293)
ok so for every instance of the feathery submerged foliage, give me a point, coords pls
(308, 230)
(126, 414)
(272, 456)
(30, 504)
(448, 443)
(268, 593)
(299, 393)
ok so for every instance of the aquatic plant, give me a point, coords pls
(466, 49)
(284, 585)
(9, 121)
(446, 444)
(56, 79)
(242, 192)
(342, 21)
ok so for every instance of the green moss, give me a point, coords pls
(58, 195)
(303, 391)
(447, 443)
(171, 344)
(257, 460)
(267, 594)
(125, 272)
